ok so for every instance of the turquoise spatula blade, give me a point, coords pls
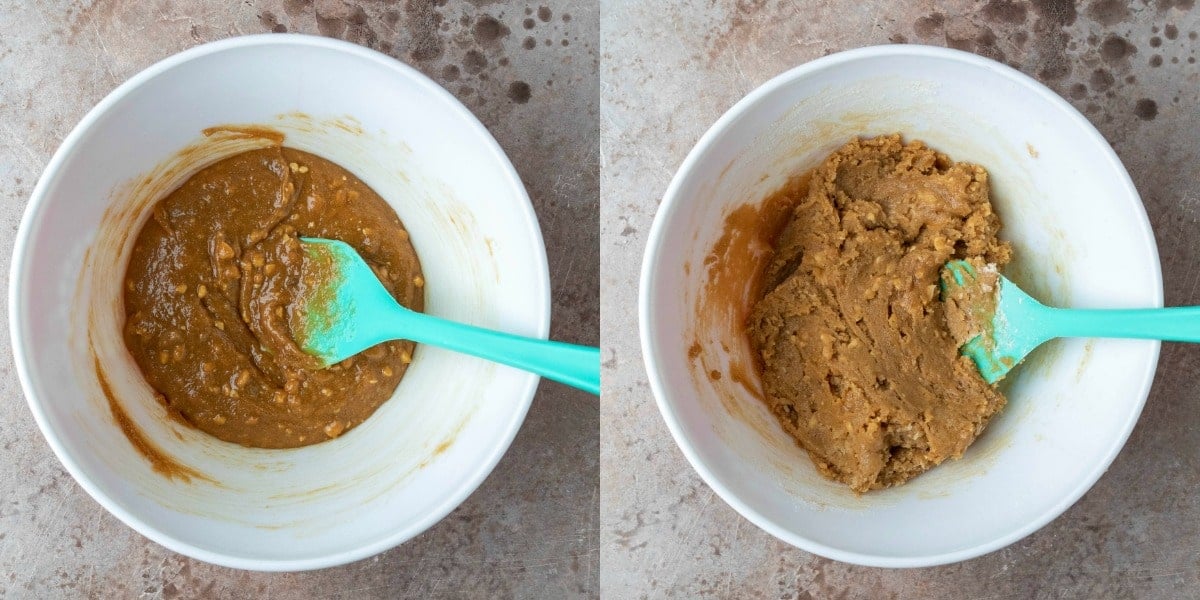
(356, 312)
(1020, 324)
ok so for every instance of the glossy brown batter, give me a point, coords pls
(858, 362)
(212, 277)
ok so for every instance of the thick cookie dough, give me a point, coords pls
(858, 362)
(213, 275)
(970, 307)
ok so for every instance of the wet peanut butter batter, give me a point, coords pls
(858, 362)
(211, 281)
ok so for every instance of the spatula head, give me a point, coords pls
(993, 320)
(342, 304)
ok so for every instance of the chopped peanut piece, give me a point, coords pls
(334, 429)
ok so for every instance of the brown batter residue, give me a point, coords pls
(858, 363)
(213, 275)
(159, 461)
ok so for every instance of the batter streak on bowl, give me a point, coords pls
(210, 281)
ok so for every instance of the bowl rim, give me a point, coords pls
(18, 307)
(672, 202)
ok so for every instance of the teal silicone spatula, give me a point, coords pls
(1011, 323)
(345, 310)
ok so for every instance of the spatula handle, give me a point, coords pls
(576, 366)
(1181, 324)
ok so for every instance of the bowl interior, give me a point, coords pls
(1081, 239)
(451, 417)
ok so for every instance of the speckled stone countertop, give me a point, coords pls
(528, 70)
(671, 67)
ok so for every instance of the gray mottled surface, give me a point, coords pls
(671, 67)
(531, 529)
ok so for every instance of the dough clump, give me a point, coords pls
(858, 361)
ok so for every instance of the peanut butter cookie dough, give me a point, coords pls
(210, 283)
(858, 362)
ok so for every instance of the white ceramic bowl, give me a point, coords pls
(452, 416)
(1081, 237)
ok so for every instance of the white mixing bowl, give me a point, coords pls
(452, 416)
(1081, 239)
